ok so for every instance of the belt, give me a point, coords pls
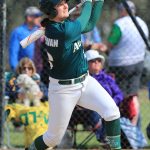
(73, 81)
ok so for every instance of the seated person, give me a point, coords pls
(35, 122)
(26, 66)
(132, 136)
(96, 63)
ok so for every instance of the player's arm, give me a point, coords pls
(114, 37)
(74, 28)
(14, 47)
(96, 12)
(85, 14)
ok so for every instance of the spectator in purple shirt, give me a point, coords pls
(96, 64)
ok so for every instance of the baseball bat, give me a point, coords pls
(40, 32)
(136, 24)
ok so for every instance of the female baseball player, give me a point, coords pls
(70, 84)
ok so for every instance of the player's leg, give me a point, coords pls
(94, 97)
(62, 102)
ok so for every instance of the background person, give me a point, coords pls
(33, 118)
(96, 70)
(126, 56)
(132, 136)
(96, 63)
(25, 66)
(16, 52)
(91, 37)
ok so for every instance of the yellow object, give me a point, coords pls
(34, 119)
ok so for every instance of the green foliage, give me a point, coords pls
(15, 12)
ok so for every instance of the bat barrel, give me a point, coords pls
(40, 32)
(33, 37)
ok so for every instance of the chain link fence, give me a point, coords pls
(83, 131)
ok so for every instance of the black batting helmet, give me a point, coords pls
(47, 6)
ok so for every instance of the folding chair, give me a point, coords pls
(76, 119)
(89, 137)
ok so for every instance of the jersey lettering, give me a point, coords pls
(77, 45)
(51, 42)
(33, 116)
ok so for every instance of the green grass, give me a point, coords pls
(17, 138)
(93, 143)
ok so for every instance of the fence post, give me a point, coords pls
(2, 65)
(149, 90)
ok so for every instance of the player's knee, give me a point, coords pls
(112, 114)
(52, 140)
(57, 141)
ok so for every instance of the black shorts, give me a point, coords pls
(128, 77)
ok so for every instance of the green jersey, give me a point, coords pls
(64, 49)
(63, 43)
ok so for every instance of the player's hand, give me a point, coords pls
(21, 96)
(44, 22)
(97, 0)
(40, 94)
(99, 46)
(102, 47)
(83, 1)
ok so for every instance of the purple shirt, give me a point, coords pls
(109, 84)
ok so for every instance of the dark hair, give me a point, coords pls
(47, 7)
(44, 22)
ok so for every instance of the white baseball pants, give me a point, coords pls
(63, 99)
